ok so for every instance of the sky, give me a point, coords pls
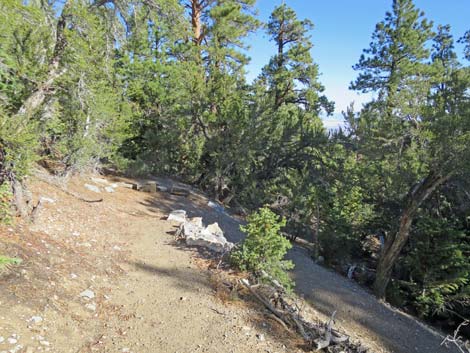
(342, 29)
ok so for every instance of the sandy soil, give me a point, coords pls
(150, 293)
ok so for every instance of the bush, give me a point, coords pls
(5, 261)
(5, 204)
(264, 247)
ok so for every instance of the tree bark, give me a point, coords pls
(196, 10)
(395, 243)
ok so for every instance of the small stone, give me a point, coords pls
(177, 216)
(93, 188)
(12, 340)
(260, 336)
(116, 248)
(73, 275)
(127, 185)
(45, 199)
(89, 294)
(216, 206)
(2, 339)
(162, 188)
(16, 349)
(125, 349)
(35, 319)
(183, 298)
(109, 189)
(100, 181)
(45, 343)
(91, 306)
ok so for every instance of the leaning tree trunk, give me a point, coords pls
(37, 97)
(395, 243)
(21, 199)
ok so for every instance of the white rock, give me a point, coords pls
(87, 294)
(35, 319)
(216, 206)
(177, 216)
(12, 340)
(91, 306)
(45, 343)
(197, 221)
(45, 199)
(93, 188)
(16, 349)
(109, 189)
(2, 339)
(100, 181)
(162, 188)
(210, 241)
(188, 229)
(73, 275)
(214, 229)
(125, 350)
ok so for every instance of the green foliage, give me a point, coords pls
(155, 87)
(5, 203)
(436, 267)
(264, 247)
(5, 261)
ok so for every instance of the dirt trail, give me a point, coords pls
(109, 277)
(149, 293)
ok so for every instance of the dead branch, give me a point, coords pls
(287, 312)
(457, 340)
(325, 342)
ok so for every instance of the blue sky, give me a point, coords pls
(342, 29)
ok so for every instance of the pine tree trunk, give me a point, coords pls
(390, 253)
(394, 244)
(196, 9)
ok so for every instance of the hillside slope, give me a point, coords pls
(109, 277)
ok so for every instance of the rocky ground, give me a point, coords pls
(110, 276)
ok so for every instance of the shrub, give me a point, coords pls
(5, 261)
(264, 247)
(5, 203)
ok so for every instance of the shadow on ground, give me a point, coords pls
(182, 279)
(357, 309)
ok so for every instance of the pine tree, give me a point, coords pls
(399, 132)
